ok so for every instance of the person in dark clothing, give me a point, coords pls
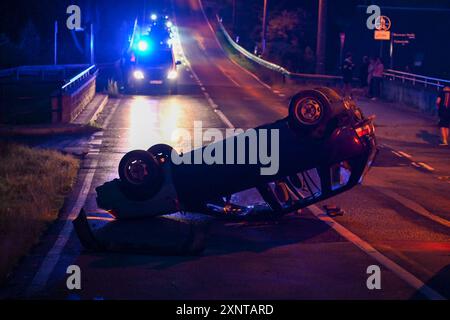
(363, 75)
(443, 104)
(347, 74)
(377, 78)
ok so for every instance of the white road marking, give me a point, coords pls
(397, 154)
(426, 166)
(406, 155)
(415, 164)
(96, 142)
(224, 118)
(47, 266)
(414, 206)
(226, 74)
(402, 273)
(220, 46)
(51, 259)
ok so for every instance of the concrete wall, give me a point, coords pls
(70, 104)
(416, 96)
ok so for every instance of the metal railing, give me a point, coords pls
(43, 72)
(79, 77)
(270, 65)
(416, 79)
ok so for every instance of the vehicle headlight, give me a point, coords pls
(172, 74)
(139, 75)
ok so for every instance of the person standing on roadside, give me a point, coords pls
(347, 74)
(370, 69)
(377, 78)
(364, 74)
(443, 104)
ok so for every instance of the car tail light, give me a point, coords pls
(365, 130)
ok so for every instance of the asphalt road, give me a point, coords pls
(398, 219)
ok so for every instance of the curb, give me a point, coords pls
(15, 131)
(99, 108)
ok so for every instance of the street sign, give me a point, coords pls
(382, 26)
(382, 35)
(383, 23)
(403, 38)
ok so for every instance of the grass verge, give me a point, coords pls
(33, 184)
(270, 77)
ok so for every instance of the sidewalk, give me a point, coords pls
(400, 123)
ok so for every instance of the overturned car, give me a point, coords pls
(326, 146)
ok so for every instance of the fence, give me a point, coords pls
(416, 79)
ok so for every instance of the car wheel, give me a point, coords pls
(309, 112)
(140, 174)
(161, 151)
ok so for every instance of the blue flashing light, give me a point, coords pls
(142, 45)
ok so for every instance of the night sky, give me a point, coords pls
(429, 20)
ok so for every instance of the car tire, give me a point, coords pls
(161, 151)
(309, 113)
(140, 174)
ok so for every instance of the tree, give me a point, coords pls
(287, 40)
(30, 42)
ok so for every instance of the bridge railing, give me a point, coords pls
(70, 100)
(45, 93)
(76, 80)
(414, 79)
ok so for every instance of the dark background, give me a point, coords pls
(26, 31)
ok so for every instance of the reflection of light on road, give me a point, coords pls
(143, 119)
(153, 121)
(169, 118)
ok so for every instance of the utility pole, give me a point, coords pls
(91, 44)
(264, 26)
(321, 37)
(55, 44)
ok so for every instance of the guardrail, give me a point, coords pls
(79, 77)
(416, 79)
(43, 72)
(270, 65)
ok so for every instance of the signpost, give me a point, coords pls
(382, 27)
(400, 39)
(382, 33)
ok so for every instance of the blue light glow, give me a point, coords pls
(142, 45)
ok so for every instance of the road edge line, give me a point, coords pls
(402, 273)
(221, 47)
(47, 266)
